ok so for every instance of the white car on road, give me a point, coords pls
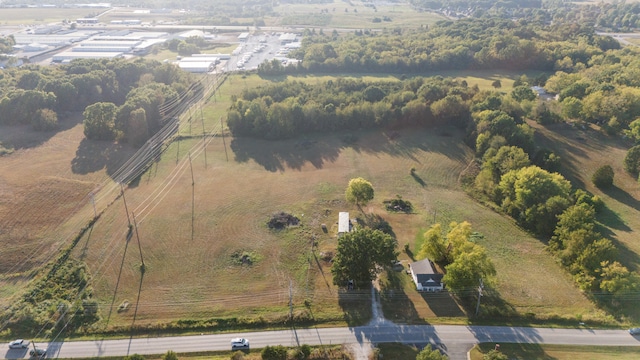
(19, 344)
(239, 343)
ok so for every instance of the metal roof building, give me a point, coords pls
(70, 55)
(197, 67)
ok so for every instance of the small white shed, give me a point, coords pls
(344, 224)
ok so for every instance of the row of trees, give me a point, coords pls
(290, 108)
(484, 43)
(544, 202)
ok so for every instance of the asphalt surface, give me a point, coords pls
(454, 340)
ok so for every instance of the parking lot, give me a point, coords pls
(255, 50)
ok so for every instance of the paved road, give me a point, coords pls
(445, 336)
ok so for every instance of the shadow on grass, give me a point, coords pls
(611, 219)
(24, 137)
(518, 351)
(318, 149)
(356, 306)
(396, 304)
(418, 179)
(623, 197)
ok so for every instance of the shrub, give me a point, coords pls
(632, 160)
(45, 120)
(277, 352)
(603, 177)
(170, 355)
(238, 355)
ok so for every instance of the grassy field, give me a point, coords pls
(352, 15)
(40, 16)
(557, 352)
(195, 230)
(196, 272)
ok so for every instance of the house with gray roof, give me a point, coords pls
(425, 276)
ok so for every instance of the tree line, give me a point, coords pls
(471, 43)
(287, 109)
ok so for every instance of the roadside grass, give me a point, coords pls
(397, 351)
(557, 352)
(39, 16)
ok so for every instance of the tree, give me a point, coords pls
(99, 121)
(277, 352)
(496, 84)
(429, 353)
(534, 197)
(434, 246)
(494, 355)
(361, 255)
(170, 355)
(359, 191)
(466, 270)
(603, 177)
(45, 120)
(523, 92)
(632, 160)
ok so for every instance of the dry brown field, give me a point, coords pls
(194, 229)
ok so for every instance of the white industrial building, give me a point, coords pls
(287, 38)
(212, 59)
(102, 49)
(71, 55)
(197, 67)
(219, 56)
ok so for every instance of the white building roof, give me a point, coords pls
(343, 222)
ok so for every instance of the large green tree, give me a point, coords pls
(468, 268)
(361, 255)
(359, 191)
(99, 121)
(534, 197)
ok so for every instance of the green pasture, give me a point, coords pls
(40, 16)
(351, 16)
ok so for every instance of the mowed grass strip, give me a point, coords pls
(557, 352)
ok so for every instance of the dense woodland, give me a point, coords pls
(133, 97)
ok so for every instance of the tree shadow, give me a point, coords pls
(24, 137)
(610, 218)
(396, 304)
(356, 306)
(622, 197)
(418, 179)
(93, 155)
(318, 149)
(493, 308)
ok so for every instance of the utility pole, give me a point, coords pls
(480, 288)
(204, 142)
(223, 142)
(125, 205)
(193, 196)
(290, 300)
(143, 267)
